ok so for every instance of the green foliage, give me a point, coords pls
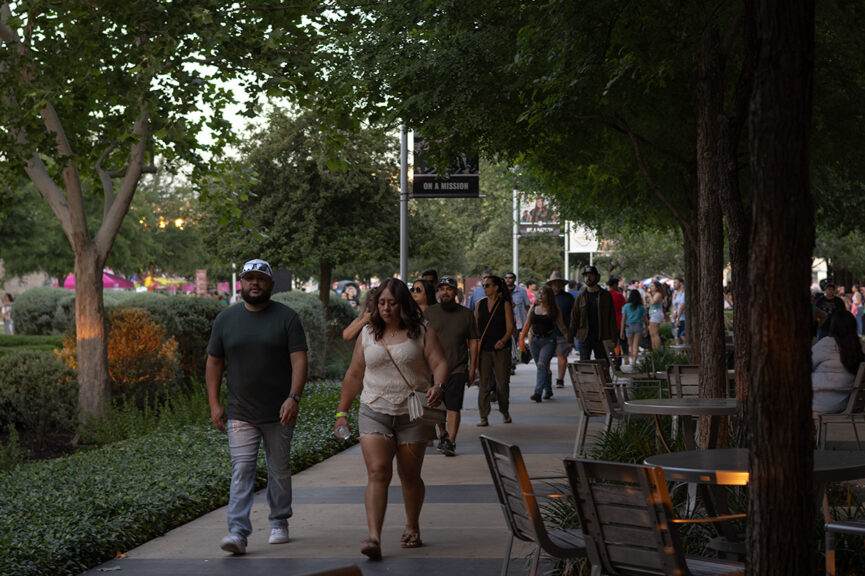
(67, 515)
(37, 393)
(34, 310)
(639, 254)
(20, 342)
(339, 312)
(658, 360)
(308, 307)
(11, 453)
(187, 319)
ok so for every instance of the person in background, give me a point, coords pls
(263, 345)
(423, 293)
(828, 303)
(520, 300)
(457, 332)
(574, 288)
(834, 363)
(618, 304)
(531, 288)
(352, 330)
(495, 320)
(542, 319)
(679, 310)
(565, 302)
(633, 324)
(656, 313)
(394, 356)
(431, 275)
(593, 319)
(6, 314)
(478, 293)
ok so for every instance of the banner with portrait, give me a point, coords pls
(538, 217)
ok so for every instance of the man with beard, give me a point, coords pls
(457, 332)
(264, 346)
(593, 318)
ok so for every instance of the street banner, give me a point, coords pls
(461, 181)
(201, 282)
(538, 217)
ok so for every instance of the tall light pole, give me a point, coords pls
(516, 229)
(403, 204)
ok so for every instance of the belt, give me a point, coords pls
(547, 335)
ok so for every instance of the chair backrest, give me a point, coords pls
(626, 515)
(684, 380)
(512, 483)
(856, 403)
(590, 386)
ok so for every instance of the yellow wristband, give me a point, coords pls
(341, 415)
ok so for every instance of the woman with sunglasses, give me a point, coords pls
(495, 317)
(423, 293)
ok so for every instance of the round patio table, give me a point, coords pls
(688, 409)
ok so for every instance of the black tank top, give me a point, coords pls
(542, 324)
(497, 326)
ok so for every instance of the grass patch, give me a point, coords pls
(21, 341)
(66, 515)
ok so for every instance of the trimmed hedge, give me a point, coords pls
(21, 342)
(311, 315)
(187, 318)
(38, 392)
(35, 309)
(67, 515)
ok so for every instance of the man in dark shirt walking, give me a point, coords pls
(593, 318)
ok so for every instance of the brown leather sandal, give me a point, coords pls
(483, 422)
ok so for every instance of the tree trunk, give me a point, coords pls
(326, 273)
(781, 511)
(94, 387)
(709, 102)
(692, 296)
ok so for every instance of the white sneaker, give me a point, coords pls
(278, 535)
(234, 544)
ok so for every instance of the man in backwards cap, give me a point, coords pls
(593, 318)
(264, 346)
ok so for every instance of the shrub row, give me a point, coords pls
(67, 515)
(38, 392)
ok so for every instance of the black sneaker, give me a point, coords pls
(560, 383)
(449, 448)
(548, 395)
(535, 397)
(442, 439)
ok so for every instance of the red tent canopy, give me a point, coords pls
(109, 282)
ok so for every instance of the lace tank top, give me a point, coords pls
(384, 390)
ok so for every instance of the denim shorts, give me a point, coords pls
(634, 329)
(656, 316)
(400, 428)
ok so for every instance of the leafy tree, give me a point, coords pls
(315, 198)
(95, 91)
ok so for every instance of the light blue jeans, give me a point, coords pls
(543, 350)
(243, 442)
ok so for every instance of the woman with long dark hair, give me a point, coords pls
(543, 317)
(394, 356)
(423, 293)
(495, 317)
(834, 363)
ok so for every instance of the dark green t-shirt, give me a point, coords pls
(453, 329)
(256, 347)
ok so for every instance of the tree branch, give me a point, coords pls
(685, 225)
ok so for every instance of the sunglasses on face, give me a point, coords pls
(510, 277)
(417, 290)
(488, 285)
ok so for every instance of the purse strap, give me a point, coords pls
(395, 365)
(490, 319)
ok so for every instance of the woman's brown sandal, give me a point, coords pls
(507, 418)
(371, 549)
(410, 540)
(483, 422)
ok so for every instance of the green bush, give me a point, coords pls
(187, 318)
(64, 516)
(311, 315)
(34, 310)
(25, 342)
(339, 312)
(38, 393)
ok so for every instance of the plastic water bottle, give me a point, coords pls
(343, 432)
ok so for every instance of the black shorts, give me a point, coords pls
(454, 390)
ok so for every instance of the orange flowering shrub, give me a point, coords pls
(143, 361)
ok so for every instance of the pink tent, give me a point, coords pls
(109, 282)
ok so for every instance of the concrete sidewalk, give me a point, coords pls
(462, 525)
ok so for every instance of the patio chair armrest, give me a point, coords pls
(720, 518)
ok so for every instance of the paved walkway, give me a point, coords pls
(461, 523)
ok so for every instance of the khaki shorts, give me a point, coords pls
(400, 428)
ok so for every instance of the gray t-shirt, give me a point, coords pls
(257, 349)
(453, 329)
(520, 299)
